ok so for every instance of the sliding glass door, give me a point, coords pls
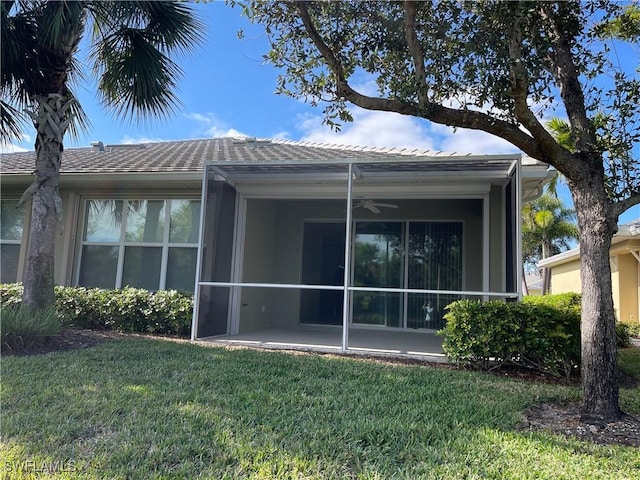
(405, 254)
(378, 262)
(434, 262)
(387, 254)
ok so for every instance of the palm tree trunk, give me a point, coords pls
(51, 121)
(546, 273)
(597, 226)
(546, 280)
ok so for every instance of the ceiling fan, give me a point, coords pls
(372, 205)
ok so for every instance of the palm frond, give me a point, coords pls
(59, 24)
(12, 123)
(81, 122)
(133, 42)
(18, 64)
(561, 131)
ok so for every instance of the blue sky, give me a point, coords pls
(228, 90)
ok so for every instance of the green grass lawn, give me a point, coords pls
(141, 408)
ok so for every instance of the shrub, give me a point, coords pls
(532, 335)
(166, 312)
(10, 294)
(129, 309)
(623, 337)
(633, 329)
(569, 300)
(22, 328)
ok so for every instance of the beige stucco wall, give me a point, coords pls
(627, 288)
(624, 283)
(566, 277)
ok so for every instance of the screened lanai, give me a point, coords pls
(278, 266)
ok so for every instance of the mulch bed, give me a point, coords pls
(66, 339)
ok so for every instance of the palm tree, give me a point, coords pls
(547, 229)
(561, 131)
(131, 43)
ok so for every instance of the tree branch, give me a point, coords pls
(325, 51)
(622, 206)
(571, 92)
(415, 50)
(430, 111)
(554, 153)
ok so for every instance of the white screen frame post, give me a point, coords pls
(347, 263)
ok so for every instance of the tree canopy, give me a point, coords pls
(501, 67)
(132, 50)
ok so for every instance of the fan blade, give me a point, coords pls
(386, 205)
(373, 208)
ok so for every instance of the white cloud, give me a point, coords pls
(127, 140)
(282, 135)
(200, 117)
(372, 129)
(25, 144)
(11, 148)
(386, 129)
(212, 126)
(463, 140)
(217, 132)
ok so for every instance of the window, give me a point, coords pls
(11, 227)
(150, 244)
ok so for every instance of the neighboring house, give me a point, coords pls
(534, 283)
(426, 228)
(625, 271)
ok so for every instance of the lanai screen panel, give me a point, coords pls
(217, 245)
(216, 257)
(511, 263)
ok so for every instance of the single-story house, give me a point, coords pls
(625, 271)
(534, 283)
(257, 229)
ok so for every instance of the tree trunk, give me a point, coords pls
(546, 273)
(51, 121)
(597, 225)
(525, 287)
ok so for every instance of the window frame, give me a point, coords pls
(23, 236)
(122, 243)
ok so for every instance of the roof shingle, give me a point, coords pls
(191, 155)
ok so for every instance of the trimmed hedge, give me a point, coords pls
(540, 335)
(570, 300)
(166, 312)
(633, 329)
